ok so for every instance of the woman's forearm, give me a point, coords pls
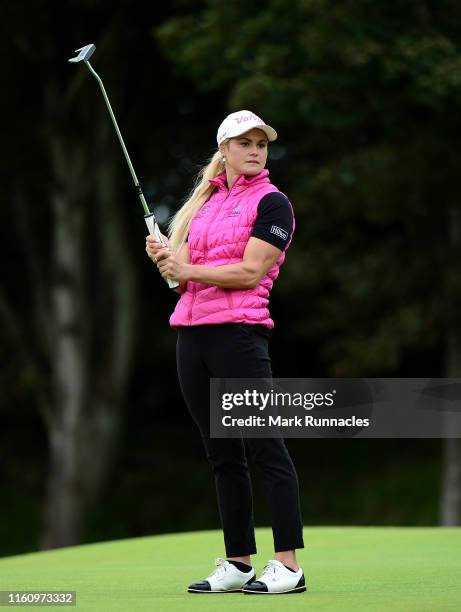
(229, 276)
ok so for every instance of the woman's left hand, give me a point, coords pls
(170, 267)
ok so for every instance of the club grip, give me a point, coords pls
(154, 230)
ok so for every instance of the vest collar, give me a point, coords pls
(242, 182)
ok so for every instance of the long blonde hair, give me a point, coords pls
(178, 227)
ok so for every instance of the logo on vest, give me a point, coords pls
(202, 212)
(237, 210)
(278, 231)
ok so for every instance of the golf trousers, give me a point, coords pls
(237, 350)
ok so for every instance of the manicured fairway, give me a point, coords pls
(346, 568)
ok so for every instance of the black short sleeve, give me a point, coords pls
(274, 222)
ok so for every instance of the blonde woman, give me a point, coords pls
(226, 246)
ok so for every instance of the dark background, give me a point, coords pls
(366, 99)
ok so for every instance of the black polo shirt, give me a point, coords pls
(274, 222)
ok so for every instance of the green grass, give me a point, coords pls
(346, 568)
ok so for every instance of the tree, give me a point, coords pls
(83, 312)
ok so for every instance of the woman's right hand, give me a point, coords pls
(155, 249)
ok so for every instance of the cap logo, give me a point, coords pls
(249, 117)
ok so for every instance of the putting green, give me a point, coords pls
(346, 569)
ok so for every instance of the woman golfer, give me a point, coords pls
(226, 246)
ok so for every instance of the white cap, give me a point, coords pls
(240, 122)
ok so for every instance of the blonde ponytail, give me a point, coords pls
(178, 227)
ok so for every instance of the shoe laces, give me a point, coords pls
(270, 569)
(222, 567)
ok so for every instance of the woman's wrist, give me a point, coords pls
(187, 272)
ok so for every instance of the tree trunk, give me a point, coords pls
(450, 497)
(68, 358)
(92, 344)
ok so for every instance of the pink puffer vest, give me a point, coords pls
(218, 235)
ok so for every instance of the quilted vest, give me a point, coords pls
(218, 235)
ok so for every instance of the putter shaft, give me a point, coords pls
(84, 54)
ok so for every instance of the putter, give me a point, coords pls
(83, 56)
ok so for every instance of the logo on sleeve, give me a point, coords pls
(278, 231)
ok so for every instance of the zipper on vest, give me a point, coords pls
(205, 242)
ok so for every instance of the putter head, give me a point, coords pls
(85, 53)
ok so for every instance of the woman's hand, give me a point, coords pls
(167, 261)
(153, 247)
(170, 267)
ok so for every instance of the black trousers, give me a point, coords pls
(235, 350)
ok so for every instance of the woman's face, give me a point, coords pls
(246, 154)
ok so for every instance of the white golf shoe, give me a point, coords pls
(225, 579)
(276, 579)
